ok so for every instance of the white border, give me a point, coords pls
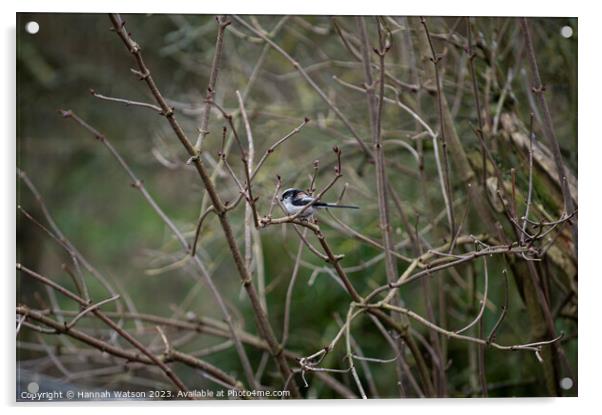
(371, 7)
(589, 183)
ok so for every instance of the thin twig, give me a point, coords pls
(222, 23)
(197, 232)
(125, 101)
(483, 301)
(350, 355)
(475, 91)
(530, 191)
(289, 293)
(497, 324)
(89, 309)
(249, 167)
(448, 191)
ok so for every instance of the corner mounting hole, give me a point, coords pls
(33, 387)
(32, 27)
(566, 32)
(566, 383)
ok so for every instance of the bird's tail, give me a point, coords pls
(333, 205)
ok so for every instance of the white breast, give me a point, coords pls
(292, 209)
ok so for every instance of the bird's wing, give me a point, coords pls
(302, 199)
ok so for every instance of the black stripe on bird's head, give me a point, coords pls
(292, 193)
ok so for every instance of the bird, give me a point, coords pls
(295, 199)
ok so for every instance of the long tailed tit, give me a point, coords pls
(295, 199)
